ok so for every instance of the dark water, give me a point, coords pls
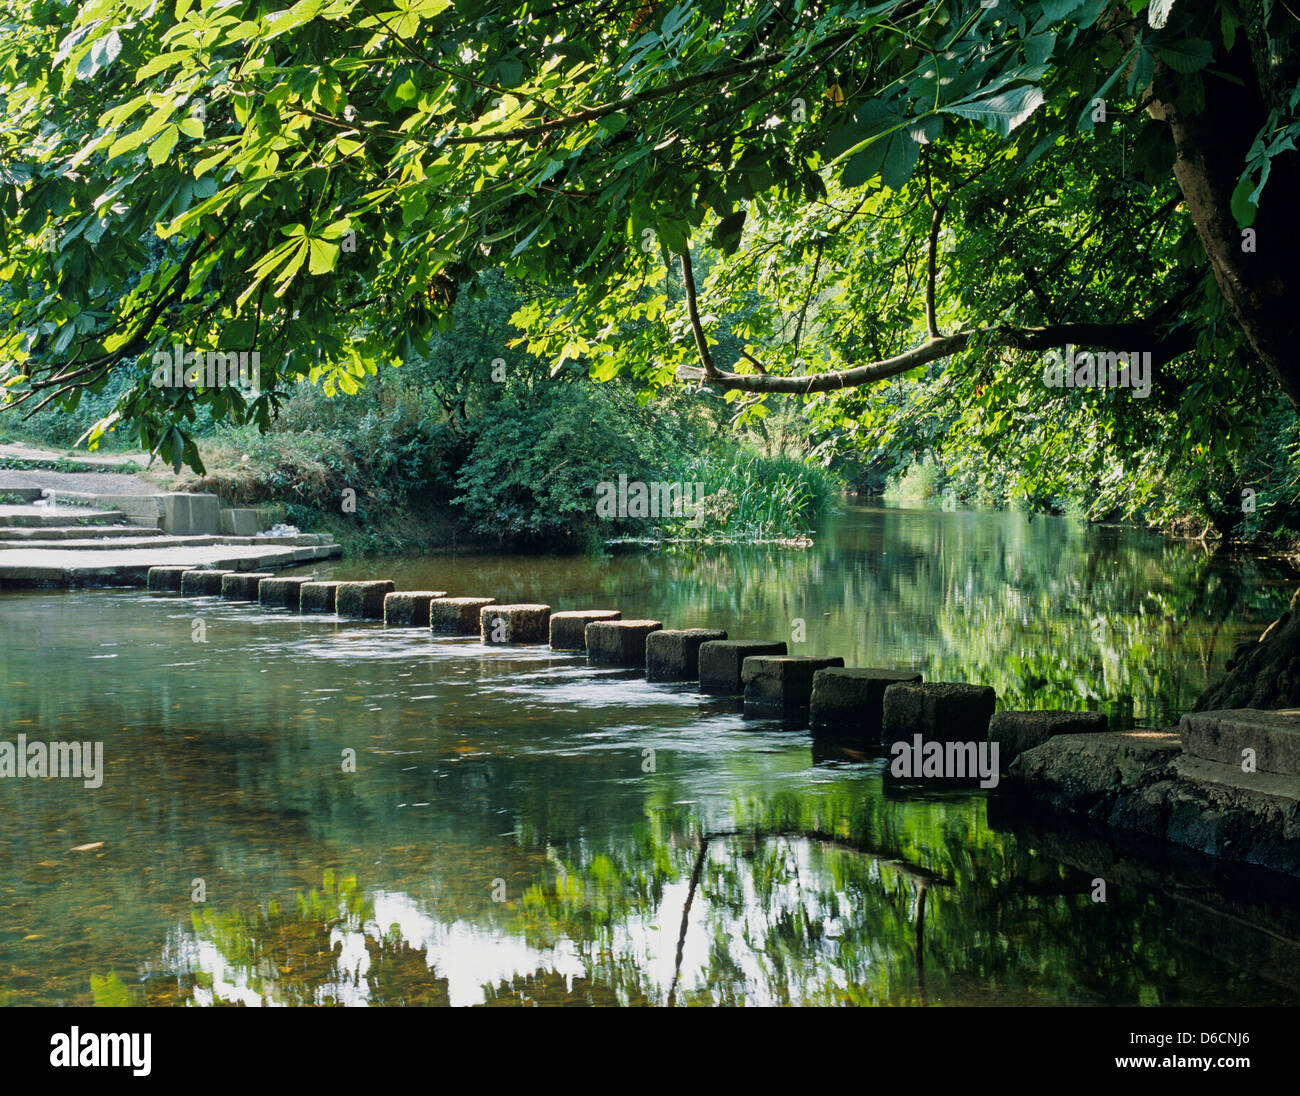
(522, 827)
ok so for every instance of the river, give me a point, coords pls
(310, 810)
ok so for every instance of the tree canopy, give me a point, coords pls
(848, 192)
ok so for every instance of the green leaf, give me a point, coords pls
(1187, 55)
(323, 256)
(1002, 112)
(162, 145)
(1243, 209)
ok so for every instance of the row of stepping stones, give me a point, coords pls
(892, 705)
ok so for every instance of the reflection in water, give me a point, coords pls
(524, 828)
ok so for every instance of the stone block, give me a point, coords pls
(362, 600)
(619, 642)
(1016, 732)
(203, 583)
(280, 593)
(409, 608)
(569, 629)
(239, 523)
(456, 616)
(943, 711)
(783, 682)
(850, 700)
(164, 579)
(242, 585)
(720, 661)
(673, 654)
(514, 623)
(318, 597)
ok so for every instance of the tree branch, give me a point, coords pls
(1126, 336)
(709, 370)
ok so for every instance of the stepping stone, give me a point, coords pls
(242, 585)
(782, 681)
(164, 579)
(721, 660)
(619, 642)
(201, 583)
(456, 616)
(1223, 735)
(1016, 732)
(850, 699)
(514, 623)
(569, 629)
(362, 600)
(409, 608)
(944, 711)
(281, 593)
(317, 597)
(673, 654)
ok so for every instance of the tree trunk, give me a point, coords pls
(1211, 149)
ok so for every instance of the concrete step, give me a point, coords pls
(27, 494)
(28, 517)
(129, 566)
(1230, 782)
(88, 541)
(18, 535)
(1225, 735)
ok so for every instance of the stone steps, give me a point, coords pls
(145, 538)
(32, 516)
(130, 566)
(12, 534)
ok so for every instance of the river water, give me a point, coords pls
(522, 827)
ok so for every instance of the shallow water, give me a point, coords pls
(523, 827)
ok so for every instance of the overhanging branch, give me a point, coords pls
(1138, 337)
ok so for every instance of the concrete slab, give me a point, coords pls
(239, 522)
(1273, 736)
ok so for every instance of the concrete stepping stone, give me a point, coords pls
(318, 597)
(362, 600)
(456, 616)
(522, 623)
(1018, 731)
(782, 681)
(850, 700)
(409, 608)
(242, 585)
(619, 642)
(720, 661)
(673, 654)
(202, 583)
(944, 711)
(164, 579)
(1224, 735)
(569, 628)
(281, 593)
